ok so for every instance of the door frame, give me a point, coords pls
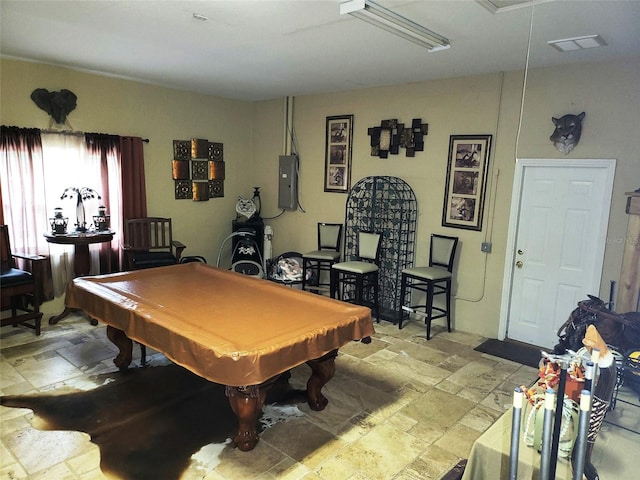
(514, 216)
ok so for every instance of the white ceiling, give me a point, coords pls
(263, 49)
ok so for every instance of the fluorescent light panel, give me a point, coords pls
(577, 43)
(385, 19)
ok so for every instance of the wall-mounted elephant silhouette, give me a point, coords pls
(57, 104)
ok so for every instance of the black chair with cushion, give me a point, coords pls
(359, 274)
(432, 280)
(149, 243)
(20, 289)
(321, 260)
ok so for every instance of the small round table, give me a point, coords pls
(81, 242)
(82, 259)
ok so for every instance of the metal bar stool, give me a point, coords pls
(321, 260)
(360, 272)
(432, 280)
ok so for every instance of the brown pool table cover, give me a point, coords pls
(229, 328)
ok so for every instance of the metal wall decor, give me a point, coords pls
(387, 205)
(390, 136)
(198, 169)
(412, 139)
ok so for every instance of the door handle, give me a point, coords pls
(519, 264)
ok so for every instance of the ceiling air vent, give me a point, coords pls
(501, 6)
(577, 43)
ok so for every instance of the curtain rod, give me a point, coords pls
(74, 132)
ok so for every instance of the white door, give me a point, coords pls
(558, 229)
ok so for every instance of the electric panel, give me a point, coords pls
(288, 182)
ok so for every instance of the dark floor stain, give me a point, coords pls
(147, 422)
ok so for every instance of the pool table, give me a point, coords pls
(240, 331)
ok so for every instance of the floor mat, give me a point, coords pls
(514, 351)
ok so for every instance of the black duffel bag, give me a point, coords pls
(610, 326)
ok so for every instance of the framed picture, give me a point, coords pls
(466, 181)
(337, 162)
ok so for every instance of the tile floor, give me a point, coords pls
(399, 408)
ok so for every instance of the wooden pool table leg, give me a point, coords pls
(124, 344)
(322, 370)
(246, 403)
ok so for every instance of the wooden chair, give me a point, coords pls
(321, 260)
(360, 272)
(149, 243)
(21, 290)
(432, 280)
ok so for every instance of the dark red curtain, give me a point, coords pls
(27, 144)
(1, 207)
(103, 145)
(134, 192)
(18, 139)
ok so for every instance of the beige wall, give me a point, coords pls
(490, 104)
(115, 106)
(253, 139)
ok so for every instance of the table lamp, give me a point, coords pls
(102, 221)
(58, 222)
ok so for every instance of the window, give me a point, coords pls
(34, 176)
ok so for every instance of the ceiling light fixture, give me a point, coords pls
(577, 43)
(385, 19)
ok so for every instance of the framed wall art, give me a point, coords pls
(337, 162)
(466, 181)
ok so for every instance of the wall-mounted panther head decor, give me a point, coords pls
(57, 104)
(567, 133)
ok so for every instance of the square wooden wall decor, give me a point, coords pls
(198, 169)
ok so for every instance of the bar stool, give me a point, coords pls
(321, 260)
(361, 272)
(432, 280)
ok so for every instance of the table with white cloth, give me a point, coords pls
(489, 457)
